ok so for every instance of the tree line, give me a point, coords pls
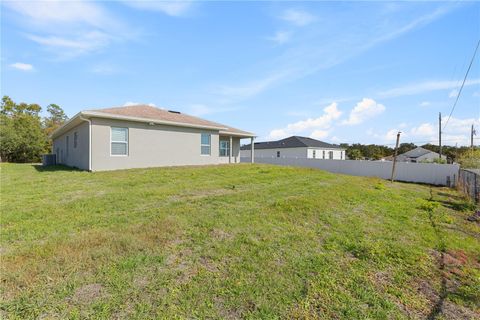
(462, 155)
(24, 133)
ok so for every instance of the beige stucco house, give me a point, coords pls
(143, 136)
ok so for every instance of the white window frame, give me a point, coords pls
(209, 145)
(227, 153)
(126, 142)
(330, 155)
(314, 153)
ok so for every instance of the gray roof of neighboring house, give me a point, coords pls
(417, 152)
(292, 142)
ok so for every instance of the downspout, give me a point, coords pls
(89, 142)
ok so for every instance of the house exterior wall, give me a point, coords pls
(75, 156)
(272, 153)
(154, 146)
(301, 153)
(338, 154)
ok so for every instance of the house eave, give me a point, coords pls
(237, 134)
(75, 120)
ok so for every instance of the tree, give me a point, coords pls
(53, 121)
(22, 138)
(354, 154)
(470, 159)
(405, 147)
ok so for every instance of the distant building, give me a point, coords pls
(418, 154)
(295, 147)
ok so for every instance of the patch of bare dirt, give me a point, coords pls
(208, 264)
(224, 312)
(140, 282)
(89, 293)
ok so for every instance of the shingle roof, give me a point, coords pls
(415, 153)
(292, 142)
(149, 112)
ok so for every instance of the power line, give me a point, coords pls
(463, 83)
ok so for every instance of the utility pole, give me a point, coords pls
(456, 152)
(471, 137)
(440, 134)
(395, 156)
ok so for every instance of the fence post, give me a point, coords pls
(475, 195)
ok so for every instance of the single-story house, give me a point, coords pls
(419, 154)
(143, 136)
(295, 147)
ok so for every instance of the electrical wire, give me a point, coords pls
(463, 83)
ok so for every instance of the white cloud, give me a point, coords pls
(365, 109)
(453, 93)
(422, 87)
(281, 37)
(425, 104)
(319, 134)
(297, 17)
(457, 131)
(424, 130)
(171, 8)
(391, 135)
(22, 66)
(71, 47)
(61, 12)
(322, 123)
(67, 28)
(251, 88)
(322, 50)
(130, 104)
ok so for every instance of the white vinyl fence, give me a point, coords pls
(431, 173)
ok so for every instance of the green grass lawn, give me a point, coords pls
(240, 241)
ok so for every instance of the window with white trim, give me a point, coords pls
(278, 154)
(224, 148)
(323, 154)
(314, 154)
(330, 154)
(205, 144)
(119, 141)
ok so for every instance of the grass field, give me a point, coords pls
(243, 241)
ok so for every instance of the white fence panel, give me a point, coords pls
(431, 173)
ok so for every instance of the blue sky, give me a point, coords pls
(336, 71)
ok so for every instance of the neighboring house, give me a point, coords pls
(295, 147)
(143, 136)
(418, 154)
